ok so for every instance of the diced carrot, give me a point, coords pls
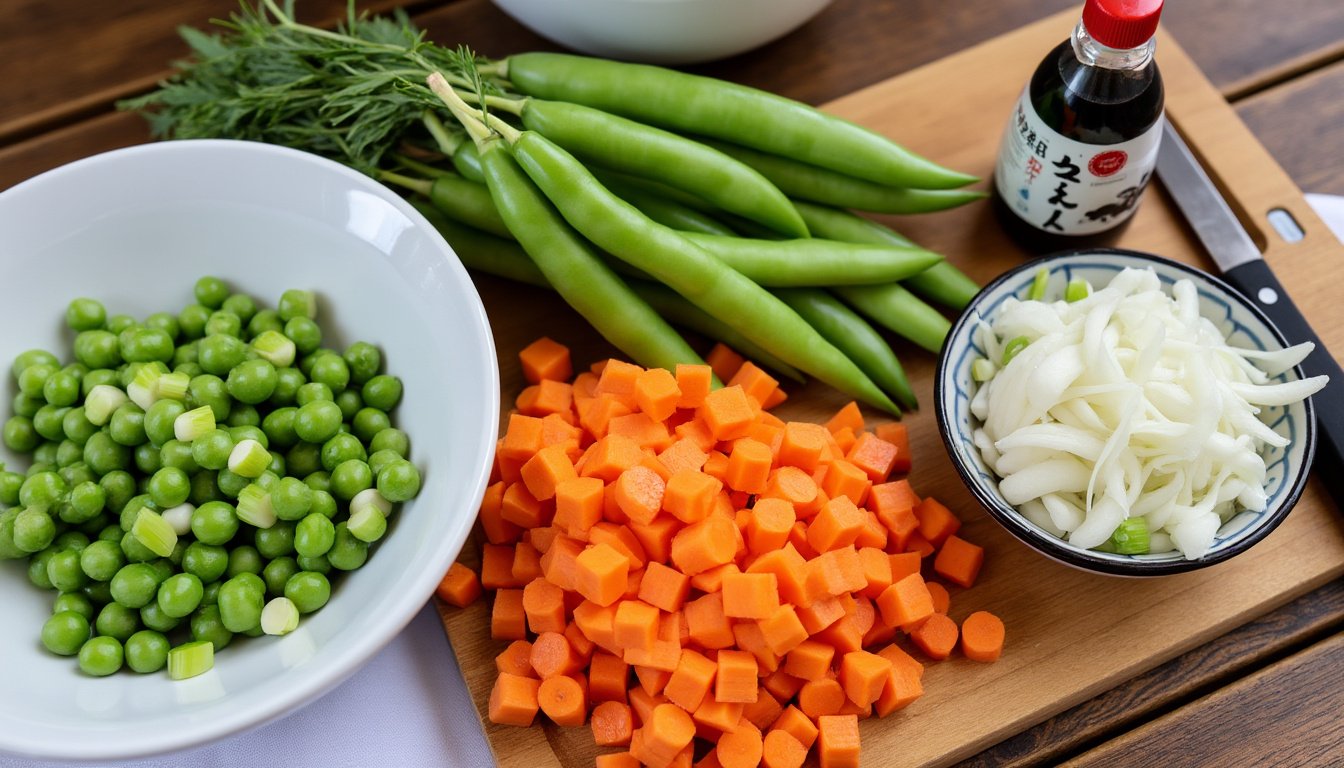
(789, 569)
(689, 495)
(819, 614)
(561, 699)
(697, 431)
(835, 572)
(783, 630)
(527, 560)
(748, 637)
(578, 504)
(601, 573)
(848, 416)
(612, 724)
(769, 525)
(942, 601)
(516, 659)
(642, 703)
(597, 623)
(683, 454)
(727, 413)
(802, 445)
(553, 655)
(756, 383)
(959, 561)
(845, 479)
(635, 624)
(513, 700)
(821, 696)
(936, 636)
(610, 456)
(844, 635)
(919, 545)
(901, 689)
(767, 434)
(664, 588)
(497, 529)
(798, 725)
(895, 433)
(838, 741)
(762, 712)
(906, 602)
(639, 493)
(608, 676)
(691, 680)
(618, 379)
(842, 440)
(741, 747)
(656, 393)
(639, 427)
(716, 465)
(903, 564)
(522, 437)
(558, 563)
(876, 571)
(735, 680)
(617, 760)
(873, 533)
(545, 398)
(724, 361)
(863, 675)
(709, 627)
(668, 731)
(544, 604)
(521, 508)
(459, 586)
(705, 544)
(873, 455)
(545, 359)
(782, 685)
(508, 621)
(782, 750)
(982, 636)
(837, 524)
(750, 595)
(665, 652)
(722, 716)
(936, 522)
(748, 466)
(694, 382)
(595, 415)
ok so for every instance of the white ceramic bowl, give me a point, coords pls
(135, 228)
(662, 31)
(1238, 319)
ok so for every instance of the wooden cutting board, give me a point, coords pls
(1071, 635)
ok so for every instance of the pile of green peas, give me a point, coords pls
(196, 476)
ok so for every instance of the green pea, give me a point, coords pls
(76, 472)
(277, 573)
(241, 305)
(304, 459)
(304, 333)
(103, 455)
(74, 541)
(219, 353)
(75, 602)
(204, 488)
(135, 551)
(341, 448)
(312, 391)
(19, 435)
(295, 302)
(127, 426)
(98, 592)
(37, 569)
(77, 427)
(146, 651)
(363, 359)
(61, 388)
(211, 594)
(179, 595)
(10, 483)
(208, 389)
(117, 620)
(43, 489)
(240, 605)
(347, 552)
(144, 345)
(68, 454)
(64, 572)
(96, 377)
(206, 624)
(291, 499)
(314, 535)
(350, 404)
(132, 510)
(276, 541)
(231, 484)
(34, 531)
(26, 406)
(214, 522)
(134, 585)
(30, 358)
(169, 487)
(177, 454)
(243, 432)
(317, 421)
(211, 292)
(192, 319)
(119, 487)
(319, 480)
(34, 377)
(349, 478)
(308, 590)
(223, 323)
(148, 459)
(153, 617)
(319, 564)
(8, 549)
(252, 381)
(100, 656)
(332, 371)
(159, 420)
(279, 427)
(65, 633)
(265, 320)
(48, 421)
(244, 559)
(87, 499)
(287, 384)
(381, 459)
(324, 504)
(163, 321)
(368, 423)
(85, 314)
(102, 560)
(382, 392)
(186, 353)
(212, 449)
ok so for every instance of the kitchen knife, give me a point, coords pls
(1245, 269)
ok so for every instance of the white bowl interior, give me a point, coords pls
(135, 228)
(1242, 327)
(663, 31)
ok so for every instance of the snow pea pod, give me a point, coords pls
(821, 185)
(708, 107)
(810, 262)
(900, 311)
(667, 212)
(462, 199)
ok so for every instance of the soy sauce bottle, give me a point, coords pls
(1081, 142)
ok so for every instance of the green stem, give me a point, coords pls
(446, 140)
(415, 185)
(420, 166)
(474, 120)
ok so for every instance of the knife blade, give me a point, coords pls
(1244, 267)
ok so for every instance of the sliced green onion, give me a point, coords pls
(143, 390)
(191, 659)
(370, 497)
(279, 617)
(254, 506)
(194, 423)
(1077, 290)
(249, 459)
(981, 370)
(275, 348)
(1037, 290)
(1131, 537)
(1014, 346)
(179, 517)
(154, 532)
(368, 524)
(172, 386)
(103, 400)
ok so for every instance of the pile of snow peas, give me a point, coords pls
(603, 179)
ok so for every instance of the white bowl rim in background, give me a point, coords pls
(392, 227)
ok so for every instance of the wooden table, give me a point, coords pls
(1269, 692)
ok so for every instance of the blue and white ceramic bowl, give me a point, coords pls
(1244, 325)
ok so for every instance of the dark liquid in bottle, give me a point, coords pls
(1093, 105)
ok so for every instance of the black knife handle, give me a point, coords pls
(1257, 282)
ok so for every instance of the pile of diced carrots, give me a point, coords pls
(753, 574)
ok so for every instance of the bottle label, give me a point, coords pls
(1065, 187)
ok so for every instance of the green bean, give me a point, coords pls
(467, 161)
(848, 331)
(900, 311)
(811, 262)
(630, 147)
(460, 198)
(617, 227)
(942, 282)
(821, 185)
(578, 275)
(667, 212)
(728, 111)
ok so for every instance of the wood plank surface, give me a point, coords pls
(1302, 124)
(1066, 629)
(1286, 715)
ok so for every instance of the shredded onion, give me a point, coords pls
(1128, 403)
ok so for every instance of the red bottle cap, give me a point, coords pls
(1121, 24)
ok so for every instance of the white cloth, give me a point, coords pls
(407, 707)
